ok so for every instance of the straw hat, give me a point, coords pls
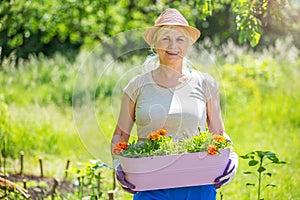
(172, 17)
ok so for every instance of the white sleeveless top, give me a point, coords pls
(180, 110)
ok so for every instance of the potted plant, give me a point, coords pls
(159, 162)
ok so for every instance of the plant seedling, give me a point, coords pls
(261, 159)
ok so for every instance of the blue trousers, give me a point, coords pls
(204, 192)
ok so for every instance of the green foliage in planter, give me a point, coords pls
(163, 145)
(144, 148)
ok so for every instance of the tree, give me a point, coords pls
(65, 25)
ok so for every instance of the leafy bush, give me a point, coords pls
(31, 27)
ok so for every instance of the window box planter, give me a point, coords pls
(171, 171)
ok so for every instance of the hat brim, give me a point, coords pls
(194, 33)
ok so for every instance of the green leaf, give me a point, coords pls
(247, 172)
(253, 162)
(255, 37)
(98, 177)
(242, 37)
(261, 169)
(270, 185)
(261, 154)
(93, 197)
(250, 184)
(269, 154)
(268, 174)
(100, 194)
(245, 156)
(274, 159)
(17, 40)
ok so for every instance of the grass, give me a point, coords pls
(45, 132)
(260, 100)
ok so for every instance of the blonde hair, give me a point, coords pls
(163, 30)
(152, 61)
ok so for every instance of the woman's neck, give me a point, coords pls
(168, 77)
(170, 71)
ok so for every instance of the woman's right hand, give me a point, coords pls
(128, 187)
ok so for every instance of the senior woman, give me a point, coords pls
(173, 97)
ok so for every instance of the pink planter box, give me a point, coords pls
(159, 172)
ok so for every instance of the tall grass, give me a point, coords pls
(260, 101)
(262, 113)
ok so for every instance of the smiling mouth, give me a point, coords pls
(172, 53)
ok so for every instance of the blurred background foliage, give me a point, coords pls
(43, 26)
(45, 45)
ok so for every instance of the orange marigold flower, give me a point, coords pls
(162, 132)
(212, 149)
(153, 136)
(119, 147)
(122, 145)
(219, 138)
(116, 150)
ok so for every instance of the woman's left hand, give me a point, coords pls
(229, 172)
(120, 175)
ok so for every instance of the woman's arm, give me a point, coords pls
(214, 116)
(216, 125)
(122, 134)
(125, 121)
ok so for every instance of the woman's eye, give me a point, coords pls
(165, 38)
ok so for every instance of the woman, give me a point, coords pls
(173, 97)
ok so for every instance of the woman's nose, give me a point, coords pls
(172, 44)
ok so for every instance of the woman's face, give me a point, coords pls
(172, 46)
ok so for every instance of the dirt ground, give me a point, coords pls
(40, 187)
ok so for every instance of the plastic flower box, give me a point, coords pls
(171, 171)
